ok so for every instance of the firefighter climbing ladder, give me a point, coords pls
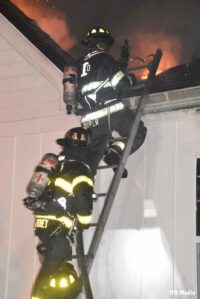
(85, 261)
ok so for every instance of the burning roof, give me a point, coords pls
(178, 77)
(182, 76)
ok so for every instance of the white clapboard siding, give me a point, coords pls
(32, 117)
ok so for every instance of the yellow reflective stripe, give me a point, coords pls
(120, 144)
(71, 278)
(116, 78)
(41, 223)
(53, 283)
(101, 30)
(63, 184)
(90, 86)
(103, 112)
(62, 166)
(86, 165)
(66, 221)
(69, 187)
(84, 219)
(63, 283)
(82, 179)
(93, 85)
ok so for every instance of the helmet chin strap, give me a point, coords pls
(103, 46)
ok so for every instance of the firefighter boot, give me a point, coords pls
(112, 156)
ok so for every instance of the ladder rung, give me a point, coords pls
(117, 177)
(93, 224)
(112, 139)
(107, 166)
(86, 255)
(75, 256)
(137, 86)
(101, 194)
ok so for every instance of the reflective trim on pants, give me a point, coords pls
(93, 116)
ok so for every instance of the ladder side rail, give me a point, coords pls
(110, 195)
(82, 265)
(117, 177)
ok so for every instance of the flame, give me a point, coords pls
(147, 43)
(146, 72)
(54, 22)
(49, 20)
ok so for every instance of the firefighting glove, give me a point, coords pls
(71, 109)
(29, 202)
(40, 206)
(34, 204)
(132, 79)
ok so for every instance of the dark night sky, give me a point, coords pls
(127, 18)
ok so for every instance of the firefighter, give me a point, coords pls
(60, 195)
(101, 85)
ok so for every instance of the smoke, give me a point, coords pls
(50, 20)
(176, 21)
(172, 25)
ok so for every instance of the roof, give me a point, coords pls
(178, 77)
(182, 76)
(39, 38)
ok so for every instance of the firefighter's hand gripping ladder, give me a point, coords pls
(85, 261)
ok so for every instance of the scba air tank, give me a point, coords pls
(69, 85)
(40, 177)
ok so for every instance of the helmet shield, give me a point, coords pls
(76, 137)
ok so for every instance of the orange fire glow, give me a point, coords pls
(54, 23)
(49, 20)
(145, 73)
(145, 44)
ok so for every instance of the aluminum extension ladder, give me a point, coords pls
(85, 261)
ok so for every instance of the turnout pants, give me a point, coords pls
(120, 122)
(58, 250)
